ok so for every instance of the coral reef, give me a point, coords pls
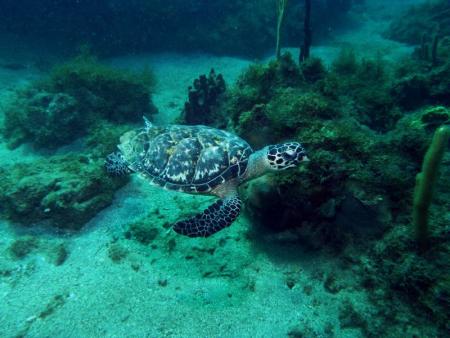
(366, 124)
(341, 130)
(64, 190)
(419, 278)
(365, 86)
(246, 103)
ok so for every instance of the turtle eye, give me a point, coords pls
(290, 152)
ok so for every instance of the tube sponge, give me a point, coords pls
(426, 181)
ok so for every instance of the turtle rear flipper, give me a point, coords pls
(216, 217)
(115, 164)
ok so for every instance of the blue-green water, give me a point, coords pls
(352, 243)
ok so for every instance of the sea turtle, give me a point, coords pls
(200, 160)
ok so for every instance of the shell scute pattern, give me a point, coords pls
(156, 157)
(192, 159)
(213, 161)
(182, 160)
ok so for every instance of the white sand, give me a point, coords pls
(245, 294)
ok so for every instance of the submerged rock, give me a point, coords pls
(48, 119)
(62, 191)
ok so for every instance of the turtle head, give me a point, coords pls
(285, 155)
(117, 163)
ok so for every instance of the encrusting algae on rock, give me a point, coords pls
(80, 99)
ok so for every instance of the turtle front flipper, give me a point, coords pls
(115, 164)
(216, 217)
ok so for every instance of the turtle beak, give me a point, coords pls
(305, 159)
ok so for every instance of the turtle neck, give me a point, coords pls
(257, 165)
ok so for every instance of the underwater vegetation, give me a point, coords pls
(76, 95)
(365, 153)
(277, 102)
(23, 246)
(421, 22)
(56, 250)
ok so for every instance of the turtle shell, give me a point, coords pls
(193, 159)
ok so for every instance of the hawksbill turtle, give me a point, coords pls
(200, 160)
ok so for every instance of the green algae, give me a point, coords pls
(115, 94)
(60, 253)
(313, 69)
(117, 252)
(143, 232)
(422, 85)
(55, 303)
(63, 191)
(23, 246)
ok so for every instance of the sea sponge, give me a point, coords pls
(426, 181)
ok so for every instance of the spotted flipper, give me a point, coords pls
(116, 165)
(216, 217)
